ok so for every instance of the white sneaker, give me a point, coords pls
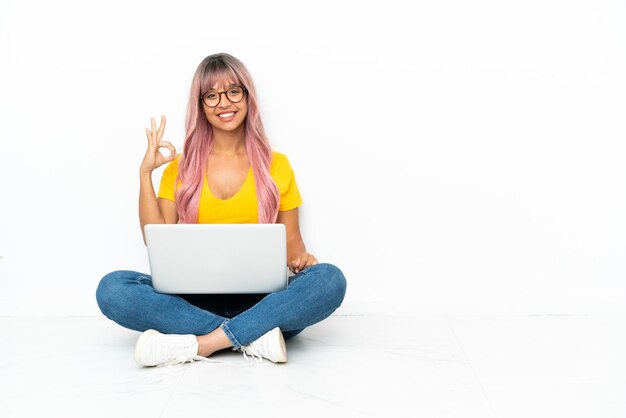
(156, 349)
(270, 345)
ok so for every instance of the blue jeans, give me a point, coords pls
(127, 297)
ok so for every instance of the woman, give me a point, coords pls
(227, 174)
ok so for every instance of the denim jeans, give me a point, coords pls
(127, 297)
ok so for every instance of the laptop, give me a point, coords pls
(217, 258)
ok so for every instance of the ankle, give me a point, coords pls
(203, 348)
(213, 341)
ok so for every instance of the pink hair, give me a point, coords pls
(199, 140)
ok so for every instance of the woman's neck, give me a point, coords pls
(229, 143)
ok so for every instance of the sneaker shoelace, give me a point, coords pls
(180, 360)
(251, 352)
(174, 349)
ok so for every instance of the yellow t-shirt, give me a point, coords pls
(242, 208)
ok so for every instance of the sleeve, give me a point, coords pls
(286, 181)
(166, 188)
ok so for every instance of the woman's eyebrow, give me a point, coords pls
(228, 86)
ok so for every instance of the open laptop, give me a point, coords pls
(217, 258)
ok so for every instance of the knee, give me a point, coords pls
(334, 281)
(107, 289)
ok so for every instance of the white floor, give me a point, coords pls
(346, 366)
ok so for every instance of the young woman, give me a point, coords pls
(226, 174)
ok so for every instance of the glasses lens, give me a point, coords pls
(211, 98)
(235, 94)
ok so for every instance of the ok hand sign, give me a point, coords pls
(153, 158)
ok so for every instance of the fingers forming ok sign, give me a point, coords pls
(153, 158)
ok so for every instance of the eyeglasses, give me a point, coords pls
(213, 97)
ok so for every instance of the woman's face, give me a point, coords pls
(226, 116)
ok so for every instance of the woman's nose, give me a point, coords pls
(224, 102)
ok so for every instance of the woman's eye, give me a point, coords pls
(211, 96)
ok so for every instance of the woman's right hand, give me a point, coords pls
(153, 158)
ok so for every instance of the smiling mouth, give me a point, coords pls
(226, 115)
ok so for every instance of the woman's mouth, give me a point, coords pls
(227, 116)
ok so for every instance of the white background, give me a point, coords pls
(453, 156)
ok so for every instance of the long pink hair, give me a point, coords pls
(199, 141)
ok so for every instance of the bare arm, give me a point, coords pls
(151, 210)
(297, 257)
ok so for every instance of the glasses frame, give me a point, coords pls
(201, 97)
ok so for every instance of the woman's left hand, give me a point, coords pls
(303, 261)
